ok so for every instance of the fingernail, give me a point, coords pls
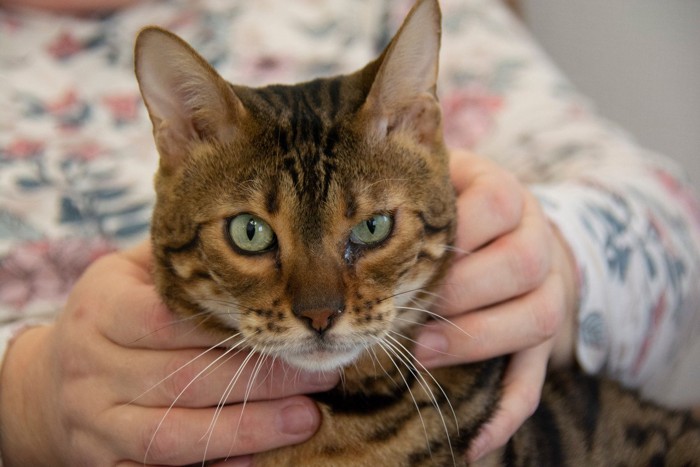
(431, 346)
(478, 447)
(296, 419)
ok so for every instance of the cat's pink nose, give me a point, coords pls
(319, 320)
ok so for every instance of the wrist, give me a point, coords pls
(24, 424)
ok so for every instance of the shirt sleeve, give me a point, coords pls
(635, 239)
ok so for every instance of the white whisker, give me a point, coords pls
(447, 354)
(389, 350)
(410, 362)
(187, 386)
(434, 315)
(213, 347)
(222, 403)
(262, 357)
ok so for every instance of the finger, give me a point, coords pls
(522, 388)
(183, 436)
(492, 205)
(204, 378)
(511, 265)
(141, 255)
(499, 330)
(141, 320)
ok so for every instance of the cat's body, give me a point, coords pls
(312, 222)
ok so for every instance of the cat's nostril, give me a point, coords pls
(319, 320)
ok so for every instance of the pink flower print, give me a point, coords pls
(86, 152)
(656, 319)
(46, 270)
(124, 108)
(469, 115)
(10, 23)
(64, 46)
(64, 103)
(684, 194)
(23, 149)
(70, 111)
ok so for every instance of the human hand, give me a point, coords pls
(95, 387)
(511, 290)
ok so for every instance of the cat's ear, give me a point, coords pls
(402, 97)
(186, 98)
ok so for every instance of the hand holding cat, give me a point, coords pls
(511, 289)
(117, 380)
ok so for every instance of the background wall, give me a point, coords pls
(639, 60)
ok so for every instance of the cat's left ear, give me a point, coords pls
(187, 100)
(403, 97)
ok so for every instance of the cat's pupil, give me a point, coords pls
(371, 225)
(251, 228)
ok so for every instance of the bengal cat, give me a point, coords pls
(310, 223)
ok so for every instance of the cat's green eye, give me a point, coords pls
(372, 231)
(250, 233)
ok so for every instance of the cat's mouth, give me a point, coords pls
(321, 354)
(322, 359)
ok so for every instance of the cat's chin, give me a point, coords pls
(322, 360)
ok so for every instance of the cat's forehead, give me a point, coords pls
(326, 98)
(304, 133)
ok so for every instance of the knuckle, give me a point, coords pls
(502, 429)
(502, 202)
(157, 323)
(264, 384)
(180, 382)
(159, 440)
(529, 265)
(529, 401)
(548, 315)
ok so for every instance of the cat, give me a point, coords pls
(312, 223)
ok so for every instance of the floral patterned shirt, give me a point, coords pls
(77, 157)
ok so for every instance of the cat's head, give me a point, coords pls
(309, 218)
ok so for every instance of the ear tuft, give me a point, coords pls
(402, 96)
(186, 99)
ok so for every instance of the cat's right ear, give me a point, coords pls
(187, 100)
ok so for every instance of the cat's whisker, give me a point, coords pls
(422, 302)
(222, 403)
(170, 324)
(369, 348)
(447, 354)
(435, 295)
(403, 292)
(408, 360)
(410, 321)
(170, 375)
(438, 317)
(422, 290)
(391, 378)
(455, 249)
(391, 352)
(262, 358)
(415, 362)
(188, 385)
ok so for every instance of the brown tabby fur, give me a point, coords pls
(314, 160)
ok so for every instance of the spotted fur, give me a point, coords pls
(313, 161)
